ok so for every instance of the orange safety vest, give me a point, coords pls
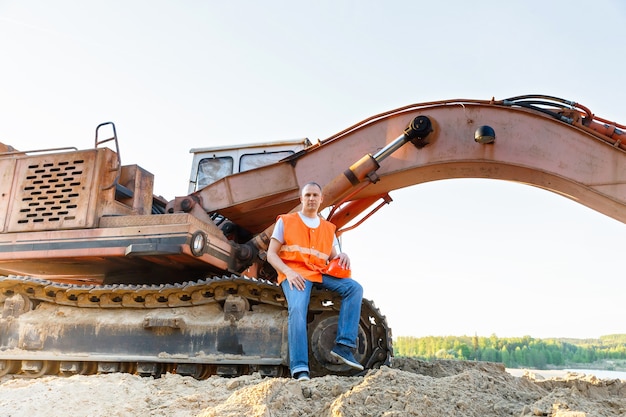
(306, 250)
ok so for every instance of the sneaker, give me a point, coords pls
(344, 354)
(302, 376)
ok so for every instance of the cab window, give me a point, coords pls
(255, 160)
(213, 169)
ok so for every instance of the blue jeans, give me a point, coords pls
(351, 293)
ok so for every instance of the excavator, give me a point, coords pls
(98, 274)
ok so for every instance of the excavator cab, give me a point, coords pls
(212, 164)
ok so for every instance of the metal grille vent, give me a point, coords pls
(51, 192)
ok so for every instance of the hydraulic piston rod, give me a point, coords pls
(416, 132)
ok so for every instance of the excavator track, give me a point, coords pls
(57, 328)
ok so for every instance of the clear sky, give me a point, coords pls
(445, 258)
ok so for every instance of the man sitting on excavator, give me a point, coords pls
(300, 249)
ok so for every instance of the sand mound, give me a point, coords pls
(410, 388)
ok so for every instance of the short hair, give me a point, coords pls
(311, 183)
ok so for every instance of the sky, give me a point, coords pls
(452, 257)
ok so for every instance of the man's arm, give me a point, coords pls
(295, 279)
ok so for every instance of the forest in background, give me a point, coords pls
(518, 352)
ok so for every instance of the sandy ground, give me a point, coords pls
(410, 388)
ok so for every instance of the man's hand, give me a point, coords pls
(344, 260)
(295, 280)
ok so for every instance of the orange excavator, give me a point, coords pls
(97, 274)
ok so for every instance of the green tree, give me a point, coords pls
(506, 358)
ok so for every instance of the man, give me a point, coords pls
(301, 246)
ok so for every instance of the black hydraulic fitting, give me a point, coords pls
(418, 130)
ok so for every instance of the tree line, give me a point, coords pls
(516, 352)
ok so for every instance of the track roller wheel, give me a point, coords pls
(8, 367)
(78, 368)
(36, 369)
(154, 369)
(197, 371)
(111, 367)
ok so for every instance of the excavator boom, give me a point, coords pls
(549, 143)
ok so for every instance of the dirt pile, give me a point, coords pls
(410, 388)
